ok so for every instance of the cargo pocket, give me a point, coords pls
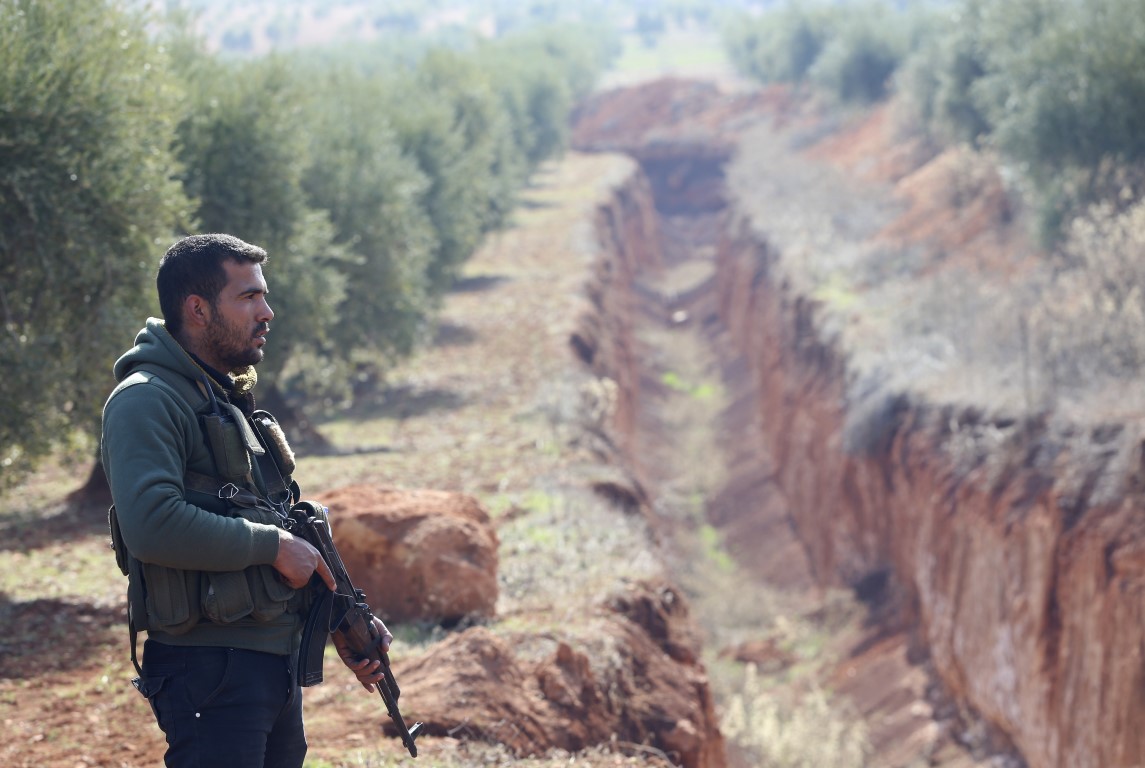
(271, 593)
(149, 686)
(226, 597)
(172, 599)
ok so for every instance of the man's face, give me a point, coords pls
(240, 319)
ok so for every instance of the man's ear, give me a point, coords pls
(196, 311)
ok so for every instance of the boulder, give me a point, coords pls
(419, 555)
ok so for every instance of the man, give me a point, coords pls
(201, 483)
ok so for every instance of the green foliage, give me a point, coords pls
(243, 150)
(392, 181)
(782, 45)
(463, 142)
(1056, 86)
(87, 111)
(937, 79)
(538, 76)
(849, 50)
(1065, 82)
(711, 540)
(415, 167)
(650, 24)
(368, 191)
(579, 51)
(864, 45)
(375, 195)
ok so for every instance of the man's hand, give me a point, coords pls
(298, 560)
(366, 670)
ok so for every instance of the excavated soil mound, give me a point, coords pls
(419, 555)
(633, 677)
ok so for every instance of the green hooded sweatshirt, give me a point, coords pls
(192, 547)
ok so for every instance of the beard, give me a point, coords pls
(233, 346)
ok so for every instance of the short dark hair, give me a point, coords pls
(194, 266)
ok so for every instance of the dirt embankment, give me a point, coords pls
(1008, 543)
(1010, 549)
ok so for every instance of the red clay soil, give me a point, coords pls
(955, 203)
(669, 110)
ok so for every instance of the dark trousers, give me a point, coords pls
(224, 707)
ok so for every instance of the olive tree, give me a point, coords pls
(87, 198)
(244, 149)
(374, 193)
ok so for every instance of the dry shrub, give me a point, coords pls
(812, 732)
(1091, 326)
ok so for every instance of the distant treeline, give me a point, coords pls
(1057, 87)
(368, 184)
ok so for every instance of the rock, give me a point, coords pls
(419, 555)
(619, 678)
(471, 686)
(661, 612)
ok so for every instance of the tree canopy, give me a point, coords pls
(88, 107)
(1056, 87)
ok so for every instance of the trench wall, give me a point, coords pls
(1016, 547)
(625, 229)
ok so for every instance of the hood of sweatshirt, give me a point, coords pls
(156, 346)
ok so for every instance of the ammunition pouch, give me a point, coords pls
(274, 439)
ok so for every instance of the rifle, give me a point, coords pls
(342, 611)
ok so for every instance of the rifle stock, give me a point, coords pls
(350, 616)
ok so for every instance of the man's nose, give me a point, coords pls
(267, 314)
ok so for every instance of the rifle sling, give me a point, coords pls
(212, 486)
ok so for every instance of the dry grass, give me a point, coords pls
(811, 731)
(930, 278)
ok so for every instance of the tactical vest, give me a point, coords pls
(174, 600)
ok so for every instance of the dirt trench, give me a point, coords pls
(692, 430)
(689, 432)
(996, 548)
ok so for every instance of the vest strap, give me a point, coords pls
(213, 486)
